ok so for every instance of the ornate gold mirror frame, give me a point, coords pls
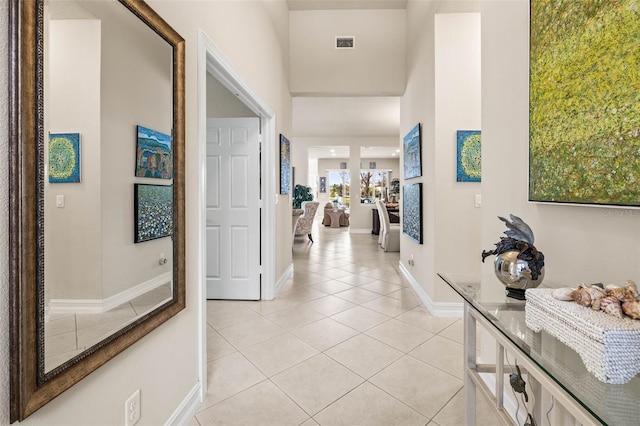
(30, 386)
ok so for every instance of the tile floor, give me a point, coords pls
(346, 342)
(67, 335)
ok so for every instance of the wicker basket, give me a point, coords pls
(608, 346)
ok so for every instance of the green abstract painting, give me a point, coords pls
(584, 118)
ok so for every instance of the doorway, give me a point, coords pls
(212, 62)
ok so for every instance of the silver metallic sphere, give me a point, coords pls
(515, 273)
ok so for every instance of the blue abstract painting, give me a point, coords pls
(412, 156)
(469, 156)
(154, 157)
(285, 165)
(412, 211)
(64, 157)
(153, 211)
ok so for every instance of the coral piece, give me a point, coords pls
(631, 286)
(619, 293)
(631, 309)
(611, 306)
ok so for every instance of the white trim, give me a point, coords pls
(437, 309)
(187, 408)
(211, 59)
(359, 231)
(98, 306)
(283, 279)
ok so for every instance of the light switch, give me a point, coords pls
(478, 200)
(59, 201)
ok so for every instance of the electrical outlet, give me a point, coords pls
(411, 260)
(132, 409)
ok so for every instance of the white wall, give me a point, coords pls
(221, 103)
(457, 100)
(164, 364)
(375, 66)
(136, 90)
(443, 94)
(73, 235)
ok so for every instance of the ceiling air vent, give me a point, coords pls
(345, 42)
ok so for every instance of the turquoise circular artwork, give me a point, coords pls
(469, 167)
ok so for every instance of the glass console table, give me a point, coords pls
(554, 373)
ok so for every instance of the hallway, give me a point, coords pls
(346, 342)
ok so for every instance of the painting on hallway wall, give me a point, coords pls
(64, 158)
(412, 211)
(584, 114)
(154, 157)
(412, 155)
(469, 156)
(153, 211)
(285, 165)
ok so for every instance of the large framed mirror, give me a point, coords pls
(96, 175)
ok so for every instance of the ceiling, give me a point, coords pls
(373, 116)
(346, 116)
(344, 152)
(346, 4)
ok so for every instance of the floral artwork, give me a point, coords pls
(412, 211)
(469, 156)
(64, 157)
(153, 215)
(153, 156)
(412, 155)
(285, 165)
(584, 119)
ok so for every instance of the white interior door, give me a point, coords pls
(233, 208)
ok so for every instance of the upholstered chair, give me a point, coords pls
(305, 221)
(389, 233)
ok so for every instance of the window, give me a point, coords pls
(373, 185)
(340, 186)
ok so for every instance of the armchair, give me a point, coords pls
(305, 221)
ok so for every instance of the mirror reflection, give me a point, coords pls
(107, 174)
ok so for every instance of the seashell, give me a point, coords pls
(595, 303)
(619, 293)
(631, 286)
(597, 293)
(582, 296)
(563, 293)
(631, 308)
(611, 306)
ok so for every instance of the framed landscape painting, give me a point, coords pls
(584, 96)
(412, 211)
(469, 156)
(154, 157)
(285, 165)
(153, 211)
(64, 158)
(412, 155)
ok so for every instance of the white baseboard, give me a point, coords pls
(282, 280)
(187, 408)
(438, 309)
(97, 306)
(359, 231)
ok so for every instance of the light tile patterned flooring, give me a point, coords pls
(346, 342)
